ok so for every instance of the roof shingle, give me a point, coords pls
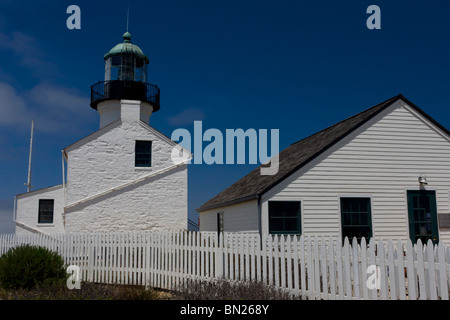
(293, 158)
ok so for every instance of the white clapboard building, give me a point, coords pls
(383, 173)
(120, 177)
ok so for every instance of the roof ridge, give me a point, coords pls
(246, 186)
(399, 96)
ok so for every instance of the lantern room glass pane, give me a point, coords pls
(108, 69)
(140, 70)
(115, 67)
(126, 71)
(126, 66)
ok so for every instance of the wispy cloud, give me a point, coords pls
(188, 116)
(59, 99)
(29, 53)
(52, 106)
(13, 110)
(56, 97)
(6, 216)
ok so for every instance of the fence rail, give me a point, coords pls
(311, 267)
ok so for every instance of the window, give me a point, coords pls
(284, 217)
(422, 216)
(143, 154)
(356, 218)
(46, 210)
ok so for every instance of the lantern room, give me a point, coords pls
(126, 76)
(126, 61)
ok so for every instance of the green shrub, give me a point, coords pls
(27, 266)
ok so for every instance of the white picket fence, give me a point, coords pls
(310, 267)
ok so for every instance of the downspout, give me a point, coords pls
(64, 156)
(259, 221)
(15, 209)
(63, 174)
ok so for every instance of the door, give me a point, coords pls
(422, 216)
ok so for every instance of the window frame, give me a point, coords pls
(369, 218)
(136, 158)
(434, 235)
(41, 212)
(298, 230)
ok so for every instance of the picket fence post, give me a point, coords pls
(442, 272)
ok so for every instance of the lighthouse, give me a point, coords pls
(120, 177)
(126, 78)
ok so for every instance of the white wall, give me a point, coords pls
(105, 160)
(241, 217)
(113, 110)
(109, 112)
(27, 211)
(381, 162)
(159, 203)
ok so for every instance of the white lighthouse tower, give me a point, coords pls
(122, 176)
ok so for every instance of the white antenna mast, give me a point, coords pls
(128, 16)
(28, 184)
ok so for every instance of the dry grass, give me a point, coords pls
(88, 291)
(192, 290)
(226, 290)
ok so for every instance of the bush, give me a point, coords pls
(27, 266)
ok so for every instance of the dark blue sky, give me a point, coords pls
(295, 66)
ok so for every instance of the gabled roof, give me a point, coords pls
(298, 154)
(92, 136)
(37, 191)
(115, 124)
